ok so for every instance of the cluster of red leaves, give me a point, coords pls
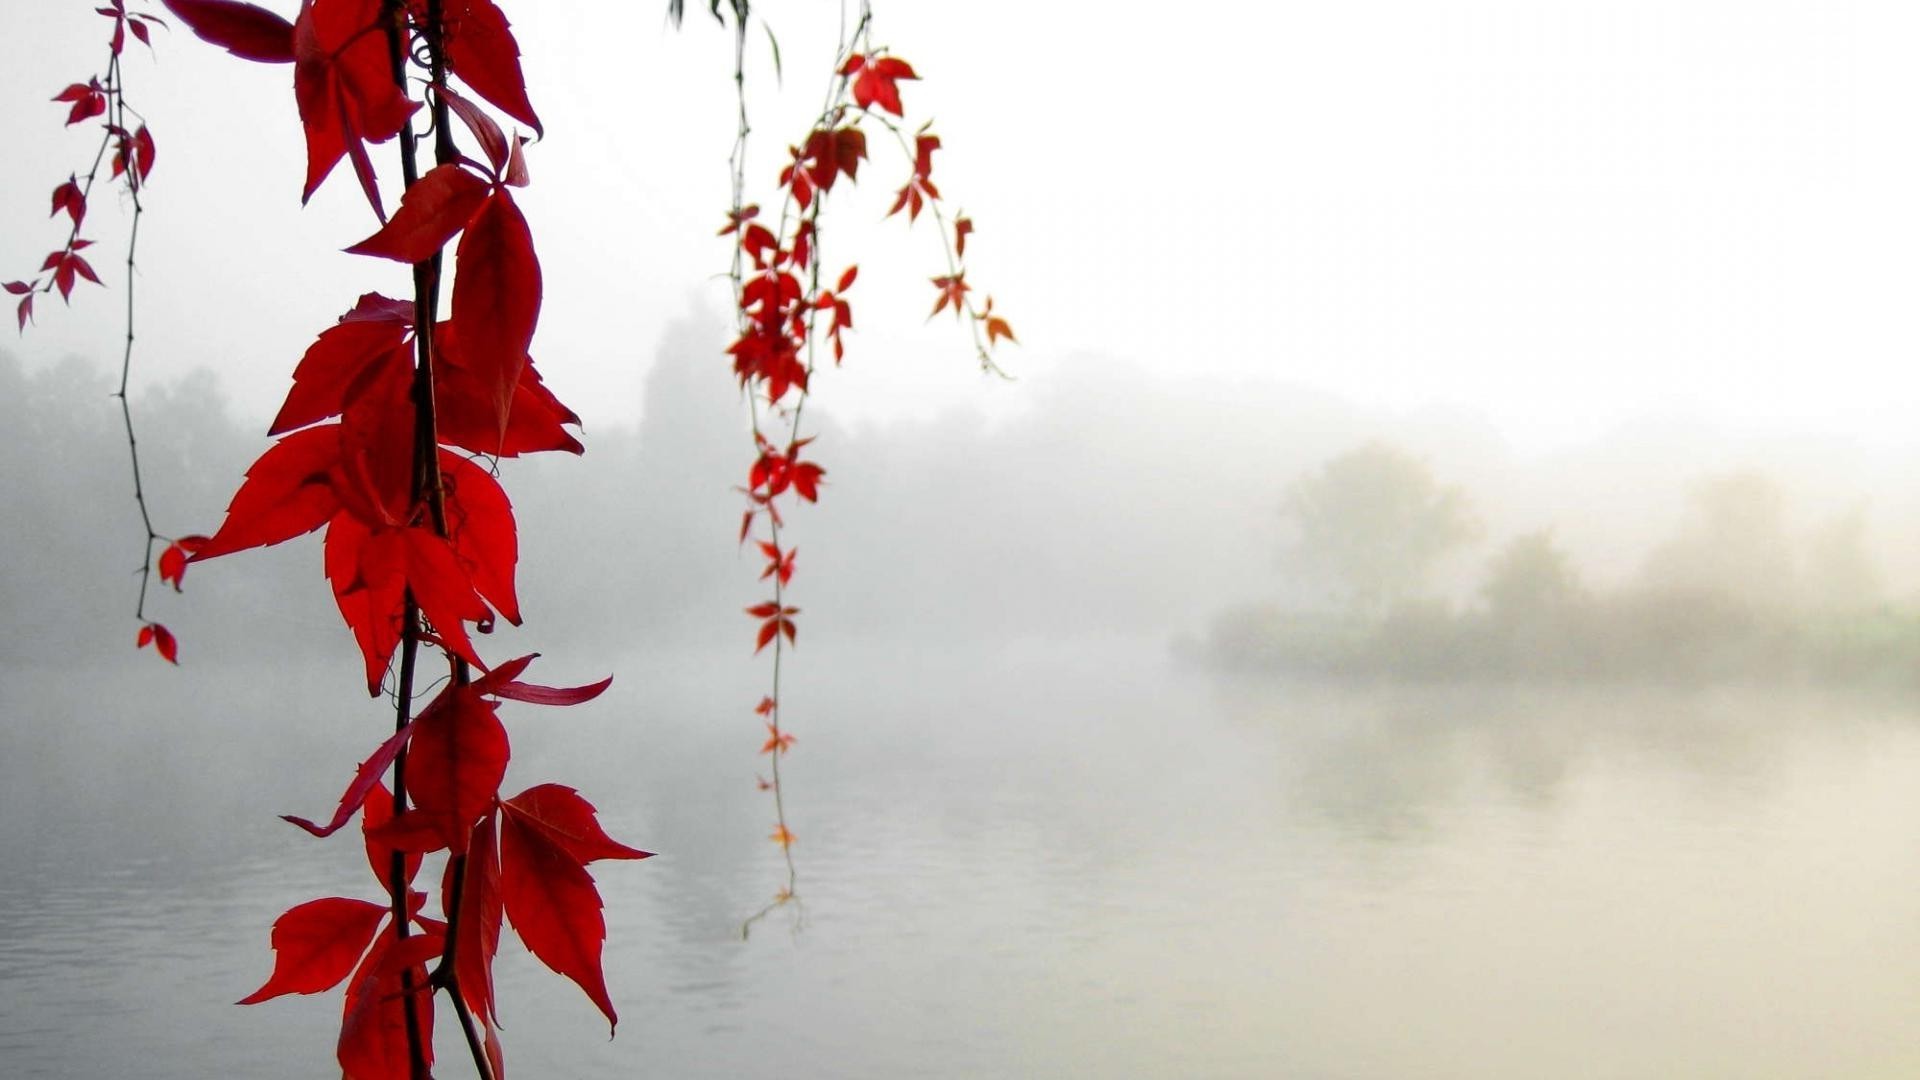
(783, 305)
(420, 538)
(132, 158)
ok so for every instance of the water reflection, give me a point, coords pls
(1050, 863)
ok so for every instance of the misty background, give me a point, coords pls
(1438, 600)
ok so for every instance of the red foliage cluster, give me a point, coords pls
(784, 309)
(388, 441)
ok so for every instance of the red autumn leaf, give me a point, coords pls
(456, 762)
(371, 571)
(68, 264)
(778, 563)
(375, 477)
(24, 312)
(766, 706)
(376, 818)
(68, 197)
(468, 417)
(919, 187)
(173, 561)
(962, 225)
(805, 476)
(343, 84)
(481, 50)
(338, 360)
(997, 327)
(493, 141)
(481, 910)
(569, 821)
(438, 205)
(777, 741)
(88, 100)
(953, 290)
(480, 529)
(781, 836)
(413, 832)
(288, 492)
(17, 288)
(162, 641)
(373, 1025)
(553, 905)
(365, 779)
(496, 299)
(315, 945)
(246, 31)
(874, 79)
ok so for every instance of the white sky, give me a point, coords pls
(1558, 214)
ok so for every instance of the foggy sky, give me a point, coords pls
(1558, 217)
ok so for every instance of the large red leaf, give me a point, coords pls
(568, 820)
(438, 205)
(458, 758)
(371, 571)
(375, 480)
(482, 52)
(553, 905)
(496, 300)
(287, 493)
(343, 84)
(246, 31)
(480, 528)
(315, 945)
(369, 335)
(468, 415)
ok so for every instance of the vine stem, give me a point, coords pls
(426, 487)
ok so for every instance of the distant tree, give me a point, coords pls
(1532, 582)
(1840, 575)
(1370, 525)
(1733, 541)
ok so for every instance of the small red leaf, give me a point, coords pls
(173, 561)
(365, 778)
(457, 760)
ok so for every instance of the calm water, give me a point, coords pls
(1037, 862)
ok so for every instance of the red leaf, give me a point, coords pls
(482, 52)
(953, 290)
(246, 31)
(468, 416)
(373, 1027)
(481, 530)
(288, 492)
(343, 84)
(371, 571)
(553, 905)
(777, 741)
(376, 832)
(568, 820)
(438, 205)
(480, 919)
(143, 152)
(338, 361)
(961, 227)
(493, 141)
(496, 299)
(173, 561)
(315, 946)
(458, 758)
(162, 641)
(68, 197)
(874, 80)
(365, 779)
(24, 312)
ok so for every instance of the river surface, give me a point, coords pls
(1034, 861)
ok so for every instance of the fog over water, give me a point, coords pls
(1073, 797)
